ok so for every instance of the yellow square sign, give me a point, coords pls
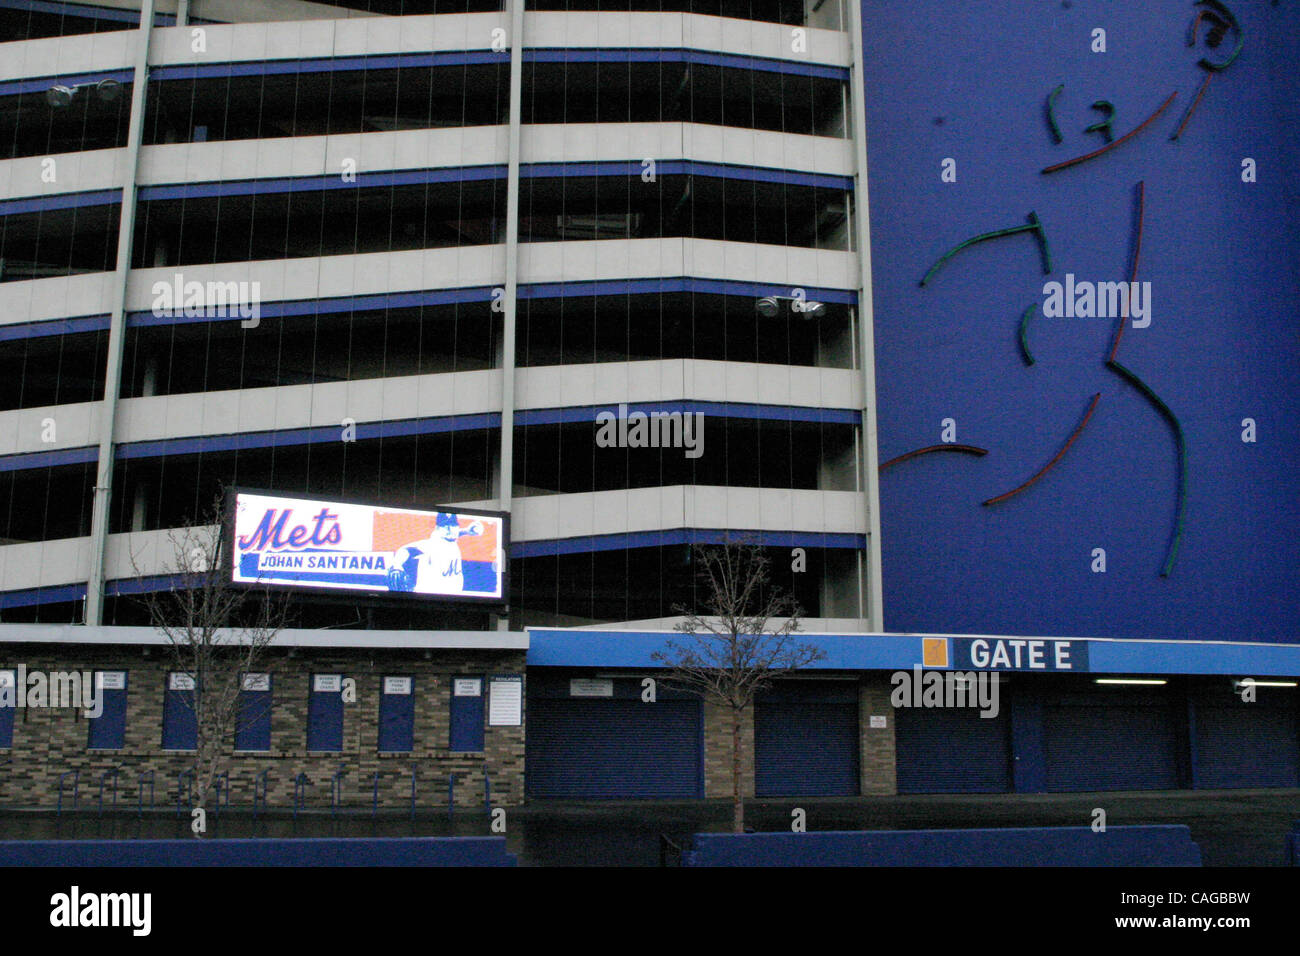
(934, 651)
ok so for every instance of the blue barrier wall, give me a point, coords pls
(970, 83)
(1038, 846)
(396, 851)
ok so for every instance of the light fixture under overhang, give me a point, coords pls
(1129, 680)
(1251, 682)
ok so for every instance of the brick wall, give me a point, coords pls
(718, 724)
(877, 753)
(48, 742)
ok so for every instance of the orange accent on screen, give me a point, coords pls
(393, 531)
(478, 547)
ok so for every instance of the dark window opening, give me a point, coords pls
(59, 242)
(52, 370)
(310, 349)
(735, 452)
(654, 327)
(43, 504)
(30, 126)
(418, 471)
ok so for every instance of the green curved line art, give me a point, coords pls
(1104, 126)
(1034, 226)
(1051, 114)
(1024, 333)
(1219, 8)
(1164, 409)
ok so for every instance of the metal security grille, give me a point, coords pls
(806, 740)
(1110, 746)
(610, 749)
(952, 750)
(806, 750)
(1246, 745)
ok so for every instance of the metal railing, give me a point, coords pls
(76, 780)
(260, 786)
(670, 854)
(222, 784)
(185, 777)
(336, 789)
(300, 784)
(139, 787)
(113, 772)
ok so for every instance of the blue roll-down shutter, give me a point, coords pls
(253, 732)
(1243, 744)
(612, 747)
(806, 740)
(467, 714)
(180, 730)
(8, 706)
(1111, 737)
(108, 730)
(397, 715)
(952, 750)
(325, 713)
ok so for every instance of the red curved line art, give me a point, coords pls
(1192, 109)
(1059, 455)
(967, 449)
(1133, 273)
(1109, 146)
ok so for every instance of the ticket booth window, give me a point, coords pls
(325, 713)
(467, 714)
(180, 729)
(108, 728)
(8, 704)
(253, 732)
(397, 715)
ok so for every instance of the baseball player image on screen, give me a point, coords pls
(432, 566)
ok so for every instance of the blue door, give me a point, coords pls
(180, 730)
(397, 715)
(325, 713)
(108, 730)
(8, 704)
(467, 714)
(253, 732)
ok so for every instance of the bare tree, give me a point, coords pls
(217, 631)
(740, 645)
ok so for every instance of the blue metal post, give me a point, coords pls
(102, 776)
(336, 789)
(140, 791)
(260, 782)
(412, 791)
(451, 794)
(223, 787)
(186, 777)
(374, 799)
(76, 778)
(487, 791)
(299, 793)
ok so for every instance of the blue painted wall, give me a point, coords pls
(969, 81)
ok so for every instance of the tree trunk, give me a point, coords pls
(737, 801)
